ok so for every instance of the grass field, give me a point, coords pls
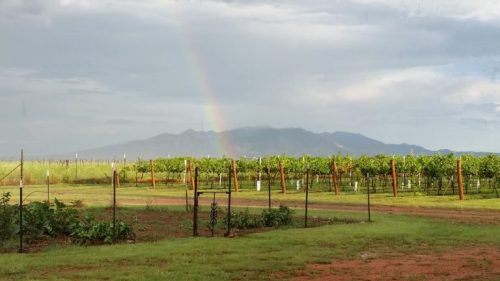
(283, 254)
(101, 195)
(252, 257)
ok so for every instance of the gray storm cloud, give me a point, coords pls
(76, 74)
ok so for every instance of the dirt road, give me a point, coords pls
(459, 215)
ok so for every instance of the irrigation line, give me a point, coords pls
(10, 172)
(32, 193)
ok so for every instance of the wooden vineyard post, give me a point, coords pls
(459, 177)
(153, 180)
(48, 187)
(350, 173)
(335, 178)
(76, 168)
(190, 171)
(268, 171)
(307, 197)
(394, 179)
(283, 182)
(368, 201)
(136, 179)
(235, 176)
(117, 179)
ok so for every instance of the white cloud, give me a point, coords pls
(26, 82)
(375, 88)
(481, 10)
(476, 90)
(325, 65)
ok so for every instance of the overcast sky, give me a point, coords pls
(77, 74)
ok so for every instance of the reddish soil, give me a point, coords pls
(466, 215)
(149, 225)
(476, 263)
(155, 225)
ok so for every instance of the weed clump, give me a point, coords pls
(40, 220)
(88, 231)
(274, 217)
(7, 212)
(277, 217)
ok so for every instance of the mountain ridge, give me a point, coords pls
(250, 142)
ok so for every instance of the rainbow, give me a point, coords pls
(213, 113)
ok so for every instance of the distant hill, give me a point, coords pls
(249, 141)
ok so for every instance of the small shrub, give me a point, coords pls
(89, 231)
(39, 220)
(7, 213)
(243, 220)
(64, 218)
(277, 217)
(268, 218)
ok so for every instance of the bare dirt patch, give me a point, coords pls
(454, 215)
(476, 263)
(153, 224)
(150, 224)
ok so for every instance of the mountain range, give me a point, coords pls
(250, 142)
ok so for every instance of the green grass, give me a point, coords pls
(101, 195)
(35, 172)
(252, 257)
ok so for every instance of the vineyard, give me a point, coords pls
(273, 207)
(425, 175)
